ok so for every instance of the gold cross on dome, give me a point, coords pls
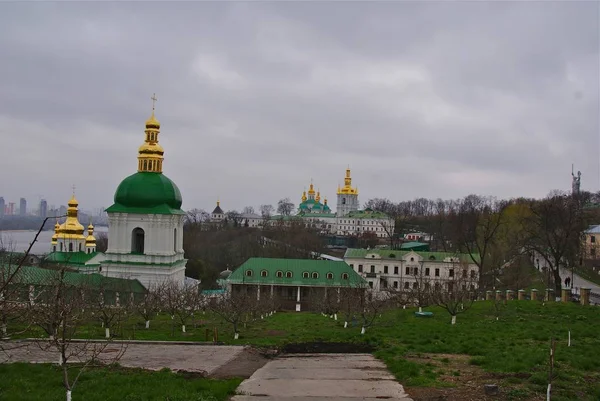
(154, 99)
(73, 189)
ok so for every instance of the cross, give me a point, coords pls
(154, 99)
(73, 189)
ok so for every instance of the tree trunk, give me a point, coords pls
(453, 319)
(346, 324)
(4, 330)
(183, 328)
(335, 317)
(107, 332)
(68, 395)
(147, 324)
(557, 281)
(363, 330)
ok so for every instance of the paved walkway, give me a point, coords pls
(332, 377)
(152, 356)
(578, 281)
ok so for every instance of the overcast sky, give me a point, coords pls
(255, 99)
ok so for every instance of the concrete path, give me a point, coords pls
(578, 281)
(152, 356)
(332, 377)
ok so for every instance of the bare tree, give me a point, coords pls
(285, 207)
(197, 216)
(61, 312)
(369, 308)
(234, 307)
(248, 210)
(233, 217)
(457, 294)
(553, 231)
(266, 211)
(419, 292)
(148, 303)
(106, 305)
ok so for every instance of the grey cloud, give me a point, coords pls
(433, 99)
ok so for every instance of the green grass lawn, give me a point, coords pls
(32, 382)
(518, 343)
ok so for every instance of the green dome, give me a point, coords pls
(147, 192)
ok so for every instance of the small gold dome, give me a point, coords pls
(73, 202)
(152, 122)
(151, 148)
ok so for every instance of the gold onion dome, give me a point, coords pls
(55, 235)
(304, 196)
(90, 240)
(152, 122)
(71, 228)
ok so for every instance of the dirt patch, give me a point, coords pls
(244, 365)
(327, 348)
(467, 381)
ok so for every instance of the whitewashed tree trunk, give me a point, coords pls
(420, 309)
(335, 317)
(183, 328)
(102, 324)
(548, 392)
(4, 330)
(60, 360)
(107, 332)
(236, 336)
(262, 316)
(68, 395)
(569, 339)
(403, 306)
(363, 330)
(172, 317)
(345, 324)
(454, 319)
(147, 324)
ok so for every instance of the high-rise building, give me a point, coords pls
(23, 207)
(2, 206)
(43, 208)
(10, 210)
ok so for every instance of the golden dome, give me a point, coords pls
(347, 188)
(151, 148)
(71, 228)
(152, 122)
(318, 197)
(304, 196)
(311, 189)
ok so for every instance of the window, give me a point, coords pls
(437, 272)
(450, 287)
(54, 248)
(395, 269)
(593, 238)
(89, 250)
(473, 273)
(344, 276)
(451, 272)
(427, 271)
(249, 273)
(175, 241)
(372, 268)
(384, 283)
(412, 259)
(407, 271)
(305, 275)
(279, 274)
(61, 246)
(416, 271)
(330, 276)
(415, 285)
(137, 241)
(70, 247)
(385, 269)
(315, 275)
(395, 284)
(264, 273)
(80, 247)
(432, 257)
(288, 274)
(464, 273)
(360, 268)
(406, 285)
(352, 266)
(370, 284)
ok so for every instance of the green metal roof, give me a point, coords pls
(393, 254)
(317, 215)
(367, 214)
(70, 258)
(415, 246)
(298, 269)
(30, 275)
(147, 193)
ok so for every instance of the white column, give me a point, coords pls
(298, 295)
(258, 293)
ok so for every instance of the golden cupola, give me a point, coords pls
(55, 236)
(90, 240)
(311, 189)
(151, 154)
(304, 198)
(318, 197)
(347, 188)
(71, 229)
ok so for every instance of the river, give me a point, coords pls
(19, 240)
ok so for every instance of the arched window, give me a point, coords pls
(288, 274)
(137, 240)
(305, 275)
(264, 273)
(61, 246)
(80, 247)
(412, 259)
(315, 275)
(330, 276)
(344, 276)
(175, 240)
(432, 257)
(54, 248)
(279, 274)
(249, 273)
(70, 247)
(89, 250)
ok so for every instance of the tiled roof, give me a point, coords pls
(355, 253)
(298, 269)
(30, 275)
